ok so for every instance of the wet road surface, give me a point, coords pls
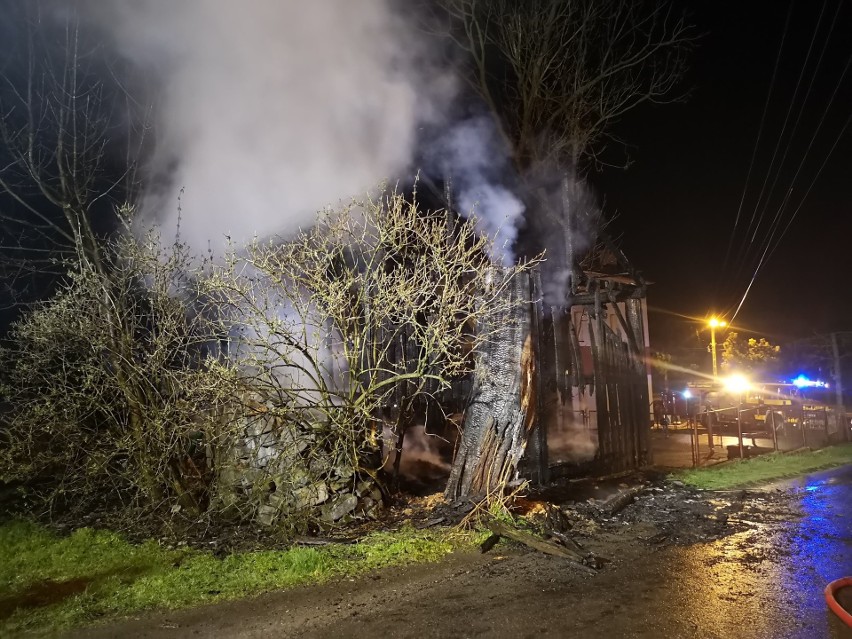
(769, 581)
(763, 582)
(820, 544)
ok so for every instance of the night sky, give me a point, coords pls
(676, 205)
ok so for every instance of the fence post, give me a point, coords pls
(740, 428)
(697, 441)
(774, 429)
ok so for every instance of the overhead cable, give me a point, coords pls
(759, 133)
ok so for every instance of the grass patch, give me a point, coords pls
(748, 472)
(114, 578)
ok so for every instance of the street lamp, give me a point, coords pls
(715, 323)
(737, 384)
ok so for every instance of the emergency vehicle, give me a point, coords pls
(762, 406)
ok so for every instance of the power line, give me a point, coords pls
(765, 257)
(781, 137)
(759, 133)
(811, 186)
(796, 125)
(772, 241)
(802, 164)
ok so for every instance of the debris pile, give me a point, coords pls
(651, 513)
(672, 513)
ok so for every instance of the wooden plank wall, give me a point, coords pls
(618, 382)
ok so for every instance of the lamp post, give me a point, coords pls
(715, 323)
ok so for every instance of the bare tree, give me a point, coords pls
(557, 74)
(71, 136)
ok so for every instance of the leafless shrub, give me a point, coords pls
(257, 387)
(113, 393)
(353, 324)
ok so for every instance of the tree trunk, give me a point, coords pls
(501, 410)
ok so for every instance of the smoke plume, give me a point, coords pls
(271, 110)
(471, 155)
(564, 223)
(268, 111)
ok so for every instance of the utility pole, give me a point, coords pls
(840, 409)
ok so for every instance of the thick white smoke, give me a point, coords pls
(272, 109)
(471, 155)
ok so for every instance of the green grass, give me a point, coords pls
(748, 472)
(125, 578)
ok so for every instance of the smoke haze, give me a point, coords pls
(472, 157)
(271, 110)
(268, 111)
(564, 224)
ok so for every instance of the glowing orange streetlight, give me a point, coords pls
(714, 323)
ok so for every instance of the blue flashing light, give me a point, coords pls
(802, 381)
(687, 394)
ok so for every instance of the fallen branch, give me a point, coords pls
(536, 543)
(621, 500)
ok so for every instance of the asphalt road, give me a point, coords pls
(820, 547)
(769, 581)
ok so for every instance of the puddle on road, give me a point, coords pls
(768, 579)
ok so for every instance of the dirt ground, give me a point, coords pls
(680, 564)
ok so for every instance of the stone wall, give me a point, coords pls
(273, 471)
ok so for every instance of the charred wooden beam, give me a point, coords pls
(535, 466)
(617, 295)
(501, 529)
(628, 331)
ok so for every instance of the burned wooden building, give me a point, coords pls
(571, 393)
(555, 389)
(596, 383)
(566, 389)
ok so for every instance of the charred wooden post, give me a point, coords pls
(501, 410)
(535, 461)
(636, 319)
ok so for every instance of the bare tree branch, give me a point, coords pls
(557, 74)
